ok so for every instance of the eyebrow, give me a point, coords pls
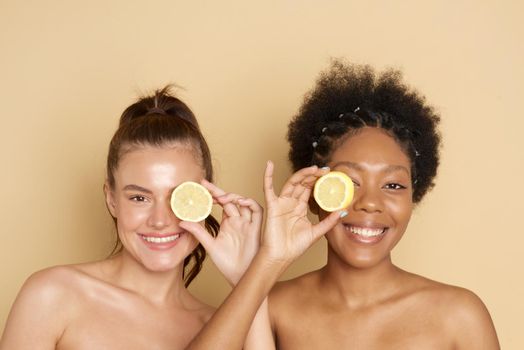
(388, 169)
(136, 188)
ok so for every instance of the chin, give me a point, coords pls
(161, 265)
(362, 264)
(366, 262)
(163, 261)
(352, 258)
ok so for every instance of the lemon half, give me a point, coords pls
(191, 201)
(334, 191)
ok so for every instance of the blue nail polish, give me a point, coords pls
(343, 214)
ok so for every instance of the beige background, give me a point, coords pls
(68, 68)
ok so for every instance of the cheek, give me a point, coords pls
(130, 216)
(401, 211)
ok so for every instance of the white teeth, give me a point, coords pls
(160, 239)
(366, 232)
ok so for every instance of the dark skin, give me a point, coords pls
(360, 299)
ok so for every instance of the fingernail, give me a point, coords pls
(325, 168)
(343, 214)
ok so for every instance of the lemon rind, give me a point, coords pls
(348, 195)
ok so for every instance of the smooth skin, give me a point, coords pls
(360, 299)
(287, 235)
(136, 299)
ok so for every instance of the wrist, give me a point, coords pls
(271, 262)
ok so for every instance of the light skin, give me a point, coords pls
(360, 299)
(136, 299)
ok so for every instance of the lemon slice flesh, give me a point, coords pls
(333, 191)
(191, 202)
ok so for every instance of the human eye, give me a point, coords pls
(394, 186)
(137, 198)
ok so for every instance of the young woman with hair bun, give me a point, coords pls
(138, 298)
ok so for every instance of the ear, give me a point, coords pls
(110, 199)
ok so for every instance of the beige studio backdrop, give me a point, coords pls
(69, 68)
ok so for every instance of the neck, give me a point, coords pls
(164, 287)
(360, 286)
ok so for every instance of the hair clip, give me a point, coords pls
(314, 144)
(356, 110)
(417, 153)
(324, 129)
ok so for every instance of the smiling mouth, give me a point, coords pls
(164, 239)
(365, 231)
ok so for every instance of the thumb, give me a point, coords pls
(199, 232)
(327, 223)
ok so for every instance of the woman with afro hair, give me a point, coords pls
(384, 136)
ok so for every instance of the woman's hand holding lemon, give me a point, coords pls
(238, 239)
(288, 232)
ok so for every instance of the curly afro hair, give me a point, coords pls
(348, 97)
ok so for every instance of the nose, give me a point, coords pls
(161, 215)
(368, 199)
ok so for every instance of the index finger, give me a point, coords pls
(304, 177)
(213, 189)
(269, 192)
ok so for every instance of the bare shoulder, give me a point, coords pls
(469, 319)
(297, 288)
(458, 310)
(51, 287)
(454, 301)
(45, 298)
(48, 286)
(288, 297)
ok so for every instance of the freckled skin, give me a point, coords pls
(360, 299)
(135, 300)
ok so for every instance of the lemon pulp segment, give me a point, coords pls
(333, 191)
(191, 201)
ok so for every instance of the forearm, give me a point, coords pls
(229, 326)
(260, 335)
